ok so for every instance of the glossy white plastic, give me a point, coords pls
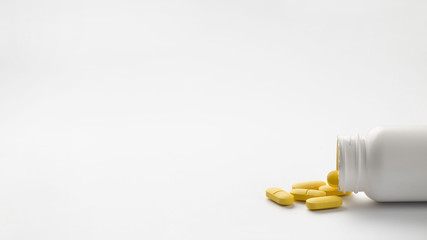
(389, 164)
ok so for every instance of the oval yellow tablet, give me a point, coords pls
(304, 194)
(323, 202)
(333, 178)
(332, 191)
(309, 185)
(279, 196)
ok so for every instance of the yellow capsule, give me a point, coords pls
(304, 194)
(333, 178)
(309, 185)
(323, 202)
(279, 196)
(332, 191)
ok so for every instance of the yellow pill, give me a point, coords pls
(309, 185)
(332, 191)
(304, 194)
(333, 178)
(279, 196)
(323, 202)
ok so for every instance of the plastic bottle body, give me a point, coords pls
(389, 164)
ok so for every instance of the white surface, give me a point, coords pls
(167, 120)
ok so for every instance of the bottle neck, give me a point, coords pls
(351, 159)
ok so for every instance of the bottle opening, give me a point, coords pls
(337, 161)
(351, 162)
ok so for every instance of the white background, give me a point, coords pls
(169, 119)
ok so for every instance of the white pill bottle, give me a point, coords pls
(389, 164)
